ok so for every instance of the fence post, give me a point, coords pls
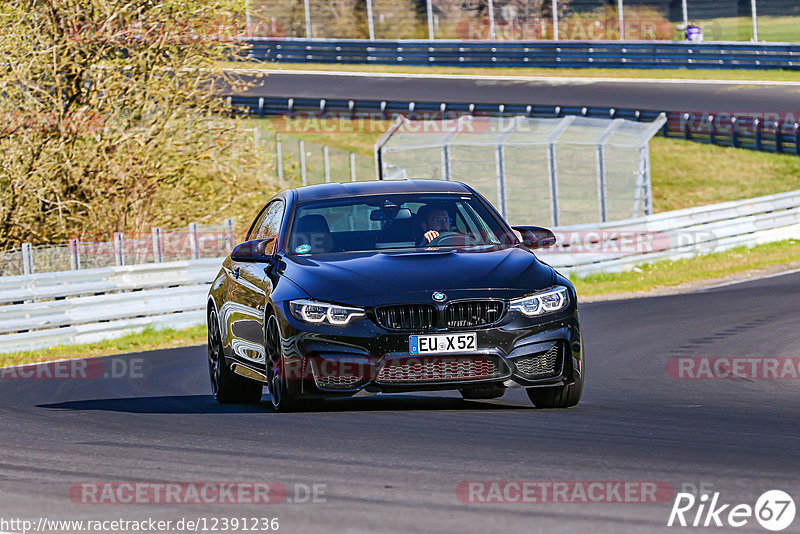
(429, 7)
(555, 20)
(501, 179)
(74, 254)
(352, 167)
(229, 237)
(194, 240)
(621, 10)
(279, 150)
(551, 163)
(326, 163)
(27, 258)
(755, 20)
(491, 20)
(601, 166)
(158, 245)
(303, 161)
(119, 253)
(307, 10)
(370, 23)
(446, 162)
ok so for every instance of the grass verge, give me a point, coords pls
(772, 75)
(664, 274)
(148, 339)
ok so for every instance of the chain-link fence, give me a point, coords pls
(311, 163)
(565, 171)
(634, 20)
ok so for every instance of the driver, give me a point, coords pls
(435, 219)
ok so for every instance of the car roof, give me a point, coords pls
(378, 187)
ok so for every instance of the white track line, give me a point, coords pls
(745, 280)
(550, 79)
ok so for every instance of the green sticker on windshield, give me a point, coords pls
(302, 249)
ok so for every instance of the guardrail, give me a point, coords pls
(47, 309)
(620, 245)
(747, 132)
(550, 54)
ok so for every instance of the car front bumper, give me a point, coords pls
(326, 361)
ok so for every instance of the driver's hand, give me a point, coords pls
(430, 235)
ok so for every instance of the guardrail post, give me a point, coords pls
(712, 130)
(158, 245)
(119, 253)
(757, 125)
(797, 139)
(229, 236)
(303, 161)
(194, 241)
(778, 137)
(279, 157)
(27, 258)
(352, 167)
(74, 254)
(687, 132)
(327, 163)
(734, 132)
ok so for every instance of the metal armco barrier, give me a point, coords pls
(60, 308)
(568, 54)
(621, 245)
(729, 131)
(42, 310)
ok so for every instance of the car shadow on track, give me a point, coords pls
(205, 404)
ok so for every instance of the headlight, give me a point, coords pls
(547, 301)
(323, 313)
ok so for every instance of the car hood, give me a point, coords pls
(347, 276)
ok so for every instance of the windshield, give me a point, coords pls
(391, 222)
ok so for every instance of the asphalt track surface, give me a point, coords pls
(393, 463)
(692, 96)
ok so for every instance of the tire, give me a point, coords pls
(282, 399)
(226, 386)
(557, 396)
(483, 392)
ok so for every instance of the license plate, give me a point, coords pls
(443, 343)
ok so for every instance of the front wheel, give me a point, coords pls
(282, 399)
(557, 396)
(226, 386)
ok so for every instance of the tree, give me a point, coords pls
(110, 117)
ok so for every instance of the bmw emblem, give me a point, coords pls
(438, 296)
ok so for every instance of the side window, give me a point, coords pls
(270, 223)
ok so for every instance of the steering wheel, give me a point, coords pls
(453, 238)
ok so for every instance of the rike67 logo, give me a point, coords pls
(774, 510)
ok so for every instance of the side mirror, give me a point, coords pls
(255, 250)
(536, 236)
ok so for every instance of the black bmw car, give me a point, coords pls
(391, 286)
